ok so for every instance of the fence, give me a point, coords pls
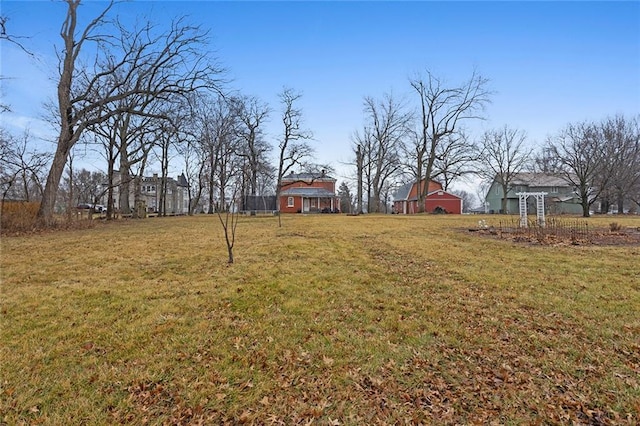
(555, 228)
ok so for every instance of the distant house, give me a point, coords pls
(405, 199)
(560, 199)
(308, 193)
(176, 197)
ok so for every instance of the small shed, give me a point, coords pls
(441, 201)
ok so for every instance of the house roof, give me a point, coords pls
(182, 181)
(307, 192)
(539, 180)
(307, 177)
(402, 193)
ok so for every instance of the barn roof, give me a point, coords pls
(402, 193)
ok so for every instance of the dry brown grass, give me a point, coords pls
(18, 216)
(328, 320)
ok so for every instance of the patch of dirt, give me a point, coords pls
(597, 236)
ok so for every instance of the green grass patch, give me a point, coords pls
(330, 318)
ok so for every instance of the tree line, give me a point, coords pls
(427, 138)
(149, 95)
(152, 94)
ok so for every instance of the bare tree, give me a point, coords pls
(456, 157)
(346, 198)
(228, 216)
(442, 109)
(293, 147)
(468, 200)
(503, 154)
(387, 125)
(252, 114)
(21, 167)
(12, 38)
(143, 64)
(579, 148)
(621, 138)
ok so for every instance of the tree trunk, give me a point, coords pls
(124, 184)
(47, 205)
(503, 209)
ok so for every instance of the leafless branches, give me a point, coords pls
(135, 72)
(441, 110)
(503, 154)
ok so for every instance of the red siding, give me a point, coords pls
(329, 185)
(449, 202)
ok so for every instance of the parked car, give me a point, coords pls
(98, 208)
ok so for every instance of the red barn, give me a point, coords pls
(405, 200)
(308, 193)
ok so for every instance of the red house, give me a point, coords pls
(308, 193)
(405, 200)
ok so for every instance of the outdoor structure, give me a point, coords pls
(176, 198)
(539, 197)
(405, 199)
(308, 193)
(560, 195)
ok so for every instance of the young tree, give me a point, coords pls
(441, 110)
(503, 154)
(228, 216)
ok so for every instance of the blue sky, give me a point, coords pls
(550, 63)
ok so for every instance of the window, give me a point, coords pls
(554, 190)
(290, 202)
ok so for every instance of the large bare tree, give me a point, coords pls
(387, 124)
(580, 150)
(442, 109)
(503, 154)
(145, 63)
(253, 115)
(293, 146)
(21, 167)
(621, 138)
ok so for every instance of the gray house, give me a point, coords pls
(176, 199)
(561, 197)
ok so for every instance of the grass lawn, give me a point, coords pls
(328, 320)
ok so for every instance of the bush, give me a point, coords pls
(615, 227)
(18, 216)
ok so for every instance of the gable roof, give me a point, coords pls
(307, 192)
(307, 177)
(451, 194)
(540, 180)
(403, 192)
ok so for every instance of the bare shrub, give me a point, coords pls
(615, 227)
(18, 216)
